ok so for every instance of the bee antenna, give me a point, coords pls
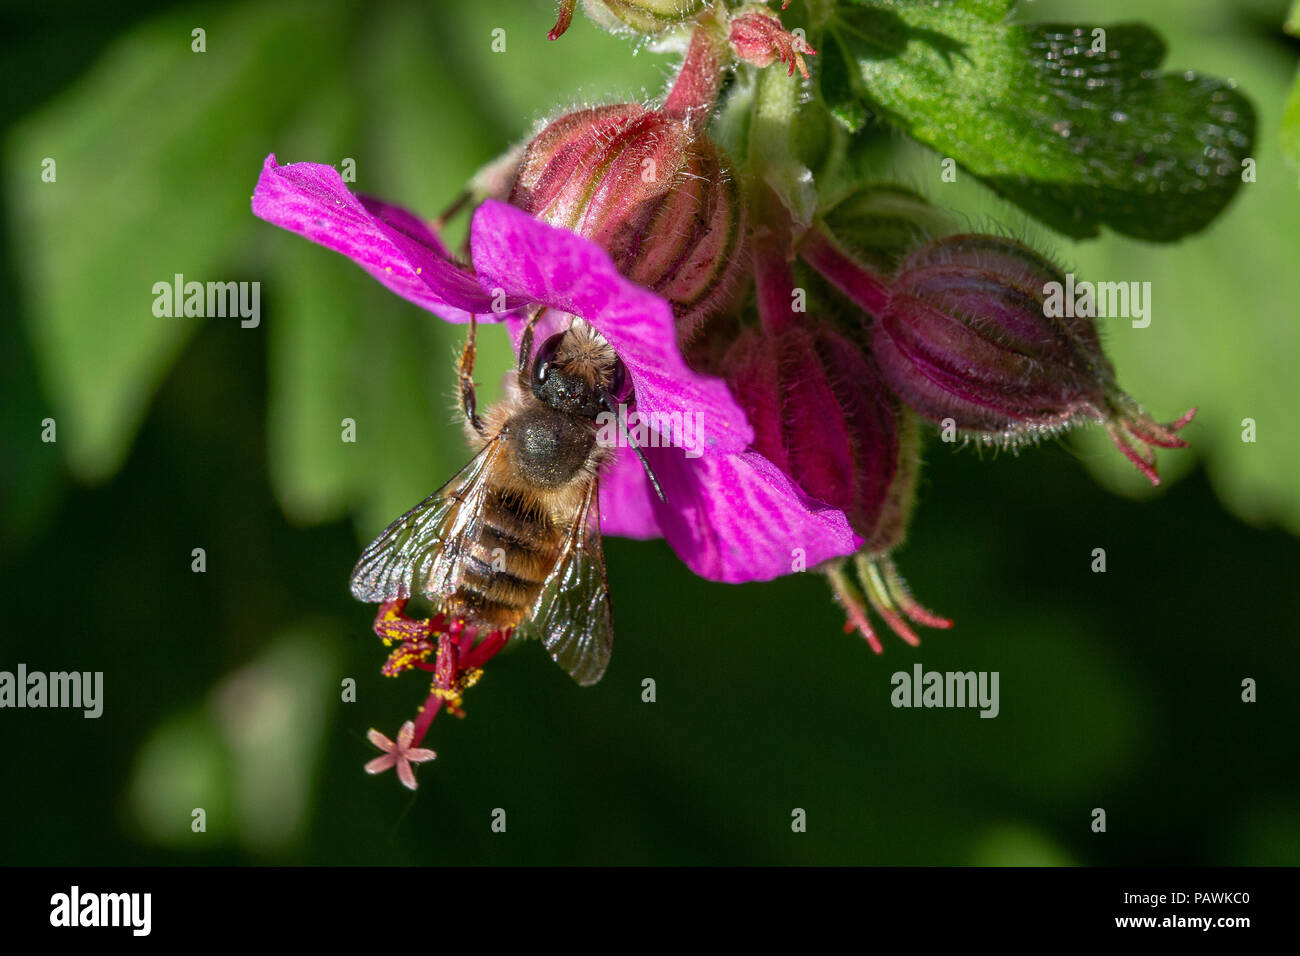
(649, 473)
(608, 401)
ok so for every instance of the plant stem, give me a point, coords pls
(864, 287)
(695, 89)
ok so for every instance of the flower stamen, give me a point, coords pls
(458, 655)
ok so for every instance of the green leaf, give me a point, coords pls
(342, 346)
(1290, 131)
(148, 149)
(1289, 134)
(1222, 334)
(835, 83)
(1073, 125)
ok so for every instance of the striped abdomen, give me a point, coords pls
(502, 572)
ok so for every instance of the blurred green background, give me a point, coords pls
(223, 689)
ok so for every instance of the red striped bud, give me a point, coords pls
(821, 412)
(650, 189)
(966, 337)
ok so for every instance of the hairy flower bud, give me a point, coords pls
(758, 38)
(821, 412)
(643, 16)
(647, 187)
(967, 337)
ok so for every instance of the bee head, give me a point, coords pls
(576, 371)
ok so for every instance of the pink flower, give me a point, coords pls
(394, 246)
(731, 515)
(400, 754)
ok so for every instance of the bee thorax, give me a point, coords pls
(549, 447)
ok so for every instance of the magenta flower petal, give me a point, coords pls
(626, 500)
(390, 243)
(524, 258)
(379, 740)
(733, 518)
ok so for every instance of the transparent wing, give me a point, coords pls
(571, 616)
(418, 553)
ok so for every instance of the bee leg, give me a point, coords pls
(526, 340)
(468, 400)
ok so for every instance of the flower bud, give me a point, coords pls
(821, 413)
(649, 189)
(758, 38)
(966, 336)
(642, 16)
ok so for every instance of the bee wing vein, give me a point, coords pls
(416, 553)
(572, 615)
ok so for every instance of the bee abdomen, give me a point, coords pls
(495, 578)
(502, 535)
(502, 574)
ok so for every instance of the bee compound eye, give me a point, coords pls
(620, 384)
(544, 357)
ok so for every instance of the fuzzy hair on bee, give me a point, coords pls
(544, 463)
(582, 352)
(512, 543)
(547, 418)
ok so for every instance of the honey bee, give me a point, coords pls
(513, 540)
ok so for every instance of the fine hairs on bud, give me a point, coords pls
(651, 189)
(966, 335)
(1036, 239)
(644, 20)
